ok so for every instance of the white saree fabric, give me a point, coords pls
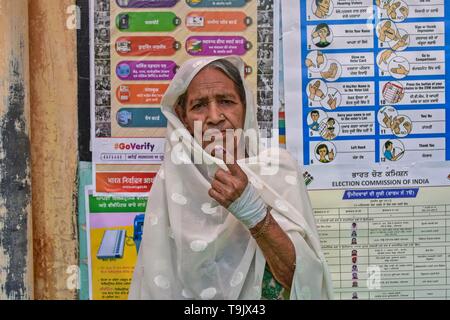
(192, 248)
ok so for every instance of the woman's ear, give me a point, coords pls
(180, 113)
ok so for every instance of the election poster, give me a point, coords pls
(365, 85)
(114, 231)
(391, 243)
(137, 47)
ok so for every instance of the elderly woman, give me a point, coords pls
(225, 223)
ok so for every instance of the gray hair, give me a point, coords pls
(230, 70)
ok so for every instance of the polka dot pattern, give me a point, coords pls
(207, 209)
(162, 282)
(208, 294)
(237, 279)
(179, 199)
(292, 180)
(153, 219)
(281, 205)
(258, 185)
(198, 245)
(187, 294)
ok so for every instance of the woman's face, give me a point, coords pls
(325, 4)
(214, 103)
(323, 152)
(323, 33)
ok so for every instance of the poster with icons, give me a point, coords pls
(368, 84)
(367, 118)
(137, 47)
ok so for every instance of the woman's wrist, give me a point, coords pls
(260, 229)
(249, 208)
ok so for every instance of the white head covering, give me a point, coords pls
(194, 249)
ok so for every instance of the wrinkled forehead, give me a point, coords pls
(217, 81)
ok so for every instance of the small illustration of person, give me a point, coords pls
(408, 127)
(320, 60)
(124, 93)
(194, 45)
(389, 152)
(399, 67)
(124, 117)
(355, 296)
(123, 46)
(404, 11)
(393, 92)
(123, 70)
(387, 120)
(354, 227)
(328, 132)
(392, 10)
(315, 91)
(195, 21)
(395, 125)
(354, 259)
(383, 4)
(315, 120)
(402, 42)
(323, 8)
(123, 21)
(354, 233)
(354, 241)
(355, 284)
(103, 35)
(387, 30)
(355, 268)
(397, 11)
(354, 276)
(325, 155)
(332, 101)
(400, 125)
(322, 32)
(384, 57)
(354, 252)
(331, 73)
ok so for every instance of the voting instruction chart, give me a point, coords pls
(367, 119)
(369, 85)
(137, 48)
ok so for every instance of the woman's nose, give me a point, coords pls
(214, 113)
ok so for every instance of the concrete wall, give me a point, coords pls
(53, 87)
(16, 263)
(38, 150)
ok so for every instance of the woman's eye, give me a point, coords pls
(198, 105)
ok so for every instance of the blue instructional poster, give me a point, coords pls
(369, 86)
(367, 117)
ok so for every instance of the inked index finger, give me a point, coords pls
(231, 162)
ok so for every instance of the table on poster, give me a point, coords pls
(389, 248)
